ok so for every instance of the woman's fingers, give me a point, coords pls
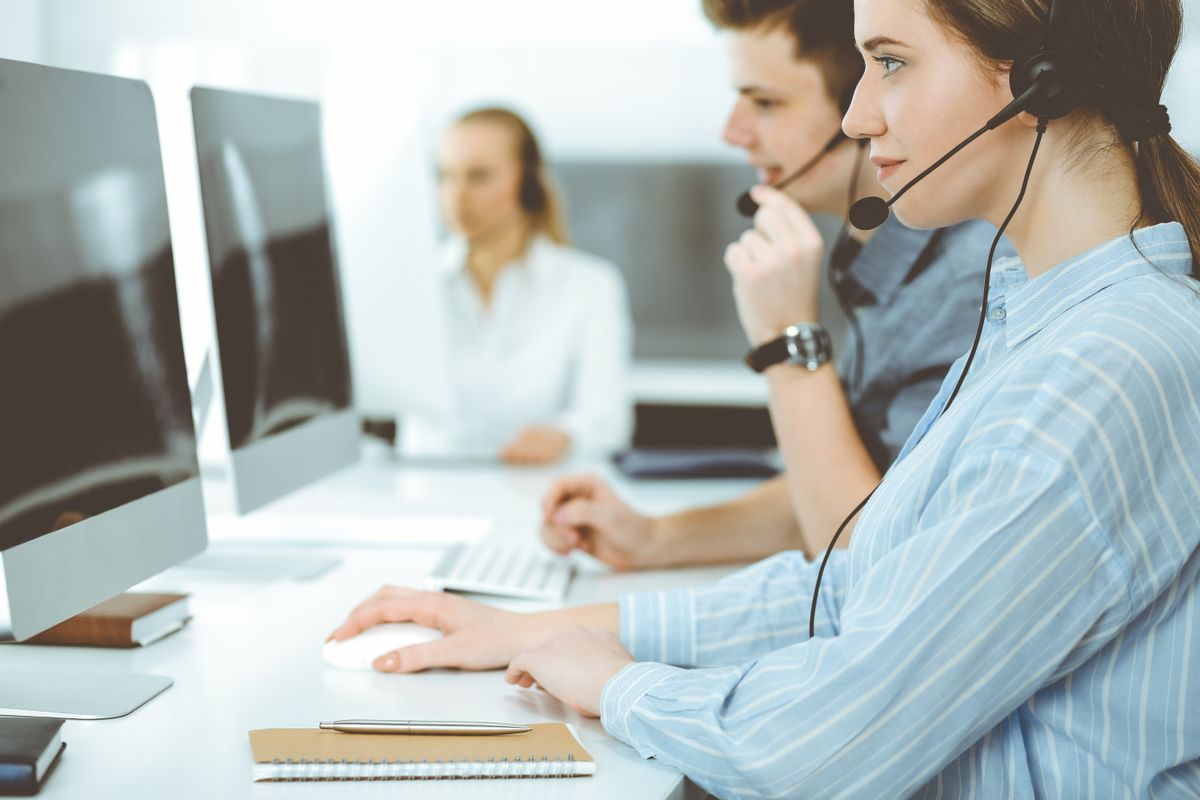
(393, 605)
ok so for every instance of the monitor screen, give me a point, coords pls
(280, 329)
(666, 225)
(670, 245)
(94, 405)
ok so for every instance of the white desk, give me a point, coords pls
(251, 658)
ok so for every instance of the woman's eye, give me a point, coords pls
(763, 104)
(890, 65)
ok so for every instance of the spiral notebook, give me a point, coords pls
(549, 750)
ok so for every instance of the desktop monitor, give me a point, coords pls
(281, 337)
(670, 246)
(99, 484)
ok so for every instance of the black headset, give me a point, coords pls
(532, 193)
(1046, 81)
(1047, 63)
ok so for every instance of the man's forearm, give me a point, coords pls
(756, 525)
(829, 471)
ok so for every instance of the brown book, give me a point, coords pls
(132, 619)
(548, 750)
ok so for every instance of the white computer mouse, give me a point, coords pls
(360, 651)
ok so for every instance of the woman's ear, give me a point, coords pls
(1027, 119)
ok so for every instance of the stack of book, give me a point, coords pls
(29, 749)
(133, 619)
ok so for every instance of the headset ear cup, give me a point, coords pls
(1065, 82)
(533, 195)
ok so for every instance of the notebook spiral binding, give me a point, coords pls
(345, 770)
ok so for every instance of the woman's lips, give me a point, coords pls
(887, 167)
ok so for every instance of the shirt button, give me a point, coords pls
(997, 314)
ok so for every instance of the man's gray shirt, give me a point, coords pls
(916, 297)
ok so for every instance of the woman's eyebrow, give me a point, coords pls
(875, 43)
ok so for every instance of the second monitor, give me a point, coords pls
(281, 335)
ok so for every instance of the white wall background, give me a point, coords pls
(21, 30)
(619, 78)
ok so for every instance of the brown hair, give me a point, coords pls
(538, 195)
(1126, 48)
(823, 30)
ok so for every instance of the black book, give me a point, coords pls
(29, 749)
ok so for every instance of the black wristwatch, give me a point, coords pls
(803, 344)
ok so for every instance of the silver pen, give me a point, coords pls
(422, 727)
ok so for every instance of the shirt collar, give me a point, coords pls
(886, 259)
(535, 262)
(1038, 302)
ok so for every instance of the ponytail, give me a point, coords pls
(1169, 180)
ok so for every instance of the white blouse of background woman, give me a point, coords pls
(552, 348)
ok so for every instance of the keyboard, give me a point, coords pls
(489, 567)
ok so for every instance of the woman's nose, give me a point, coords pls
(863, 119)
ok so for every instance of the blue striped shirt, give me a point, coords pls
(1018, 614)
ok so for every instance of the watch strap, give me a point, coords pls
(806, 345)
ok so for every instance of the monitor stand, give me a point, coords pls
(75, 694)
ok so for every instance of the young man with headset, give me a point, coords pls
(912, 298)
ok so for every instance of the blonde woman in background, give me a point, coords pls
(538, 334)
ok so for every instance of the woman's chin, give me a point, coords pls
(926, 216)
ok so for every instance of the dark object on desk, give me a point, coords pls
(663, 464)
(661, 426)
(29, 749)
(133, 619)
(384, 429)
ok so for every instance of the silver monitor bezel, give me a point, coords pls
(65, 572)
(280, 463)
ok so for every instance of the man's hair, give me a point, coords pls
(823, 31)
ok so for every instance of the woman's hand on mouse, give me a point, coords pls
(475, 636)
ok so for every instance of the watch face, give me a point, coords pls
(805, 345)
(808, 346)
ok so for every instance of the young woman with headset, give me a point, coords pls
(538, 335)
(1018, 614)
